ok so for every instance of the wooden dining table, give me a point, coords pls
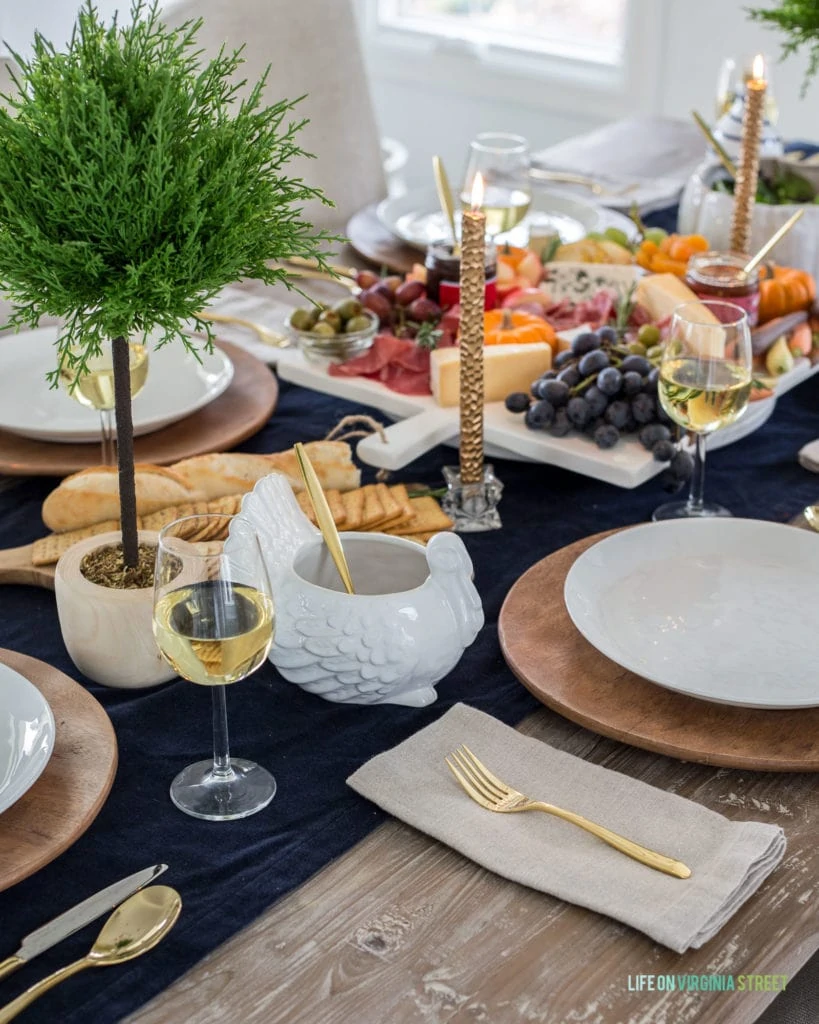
(403, 930)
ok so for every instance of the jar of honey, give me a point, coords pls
(444, 275)
(719, 275)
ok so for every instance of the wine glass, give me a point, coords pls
(705, 383)
(503, 161)
(213, 622)
(731, 81)
(95, 388)
(727, 85)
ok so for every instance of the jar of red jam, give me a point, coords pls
(719, 275)
(444, 275)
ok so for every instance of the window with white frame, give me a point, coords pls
(588, 30)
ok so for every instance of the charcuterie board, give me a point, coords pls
(423, 425)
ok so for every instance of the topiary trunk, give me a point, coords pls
(125, 451)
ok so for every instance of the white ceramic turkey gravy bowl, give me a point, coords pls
(414, 612)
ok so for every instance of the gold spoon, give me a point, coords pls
(136, 926)
(811, 513)
(324, 518)
(445, 199)
(772, 241)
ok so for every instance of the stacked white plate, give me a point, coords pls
(720, 609)
(178, 385)
(26, 735)
(416, 217)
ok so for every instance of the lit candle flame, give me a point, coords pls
(477, 193)
(758, 70)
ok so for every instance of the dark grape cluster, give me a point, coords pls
(401, 306)
(605, 390)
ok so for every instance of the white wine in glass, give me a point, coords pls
(213, 622)
(503, 162)
(95, 388)
(705, 384)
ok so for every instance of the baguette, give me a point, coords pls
(92, 496)
(218, 475)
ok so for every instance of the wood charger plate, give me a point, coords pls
(371, 240)
(69, 794)
(566, 673)
(235, 415)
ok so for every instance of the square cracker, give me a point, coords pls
(373, 507)
(354, 508)
(428, 517)
(393, 510)
(48, 550)
(334, 501)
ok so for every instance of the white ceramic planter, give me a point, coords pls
(709, 213)
(108, 632)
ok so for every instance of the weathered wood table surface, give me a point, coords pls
(402, 930)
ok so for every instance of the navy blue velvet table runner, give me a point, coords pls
(229, 873)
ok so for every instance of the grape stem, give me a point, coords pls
(584, 384)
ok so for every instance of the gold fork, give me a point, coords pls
(488, 791)
(264, 334)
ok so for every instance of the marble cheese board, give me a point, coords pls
(422, 424)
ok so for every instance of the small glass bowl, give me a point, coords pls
(338, 349)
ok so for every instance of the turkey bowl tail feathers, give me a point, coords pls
(414, 613)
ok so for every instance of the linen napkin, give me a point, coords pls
(728, 860)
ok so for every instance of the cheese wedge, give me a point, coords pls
(506, 368)
(660, 294)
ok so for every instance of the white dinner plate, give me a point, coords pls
(177, 386)
(26, 735)
(720, 609)
(416, 217)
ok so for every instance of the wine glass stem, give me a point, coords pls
(221, 751)
(695, 497)
(109, 456)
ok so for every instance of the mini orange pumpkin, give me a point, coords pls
(505, 327)
(784, 290)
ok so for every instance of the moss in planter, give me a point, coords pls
(105, 567)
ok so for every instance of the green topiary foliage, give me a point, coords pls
(134, 185)
(799, 20)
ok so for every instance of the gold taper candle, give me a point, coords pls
(473, 274)
(748, 169)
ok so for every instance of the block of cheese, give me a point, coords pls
(660, 294)
(506, 368)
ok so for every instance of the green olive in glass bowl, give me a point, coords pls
(332, 338)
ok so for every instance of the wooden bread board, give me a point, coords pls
(566, 673)
(16, 567)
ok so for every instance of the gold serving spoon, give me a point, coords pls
(754, 261)
(136, 926)
(445, 199)
(324, 518)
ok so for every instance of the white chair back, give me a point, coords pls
(313, 47)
